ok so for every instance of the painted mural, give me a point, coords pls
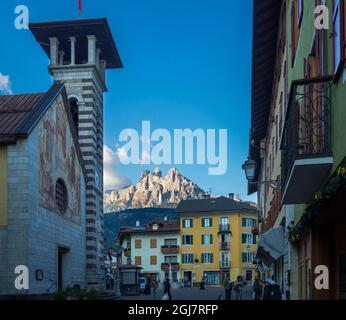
(58, 159)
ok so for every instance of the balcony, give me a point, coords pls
(165, 267)
(225, 246)
(224, 228)
(127, 252)
(306, 149)
(174, 266)
(171, 249)
(225, 264)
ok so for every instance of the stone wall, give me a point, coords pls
(33, 233)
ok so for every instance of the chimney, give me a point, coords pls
(137, 223)
(231, 196)
(206, 196)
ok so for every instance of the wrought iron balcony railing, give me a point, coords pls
(225, 264)
(224, 227)
(225, 245)
(307, 130)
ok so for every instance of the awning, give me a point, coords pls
(271, 246)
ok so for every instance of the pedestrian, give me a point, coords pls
(276, 292)
(231, 285)
(226, 285)
(257, 288)
(202, 285)
(267, 292)
(167, 288)
(238, 288)
(147, 289)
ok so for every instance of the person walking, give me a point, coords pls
(267, 292)
(226, 285)
(147, 290)
(238, 288)
(202, 285)
(257, 288)
(167, 288)
(276, 292)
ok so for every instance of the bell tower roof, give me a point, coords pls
(79, 29)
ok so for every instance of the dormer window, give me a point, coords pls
(155, 226)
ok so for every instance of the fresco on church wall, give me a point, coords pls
(58, 159)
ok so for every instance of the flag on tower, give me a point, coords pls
(80, 6)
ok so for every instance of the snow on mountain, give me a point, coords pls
(153, 190)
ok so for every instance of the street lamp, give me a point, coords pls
(249, 167)
(118, 251)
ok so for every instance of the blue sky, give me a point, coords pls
(187, 64)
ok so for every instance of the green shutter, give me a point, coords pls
(191, 239)
(211, 239)
(191, 220)
(254, 239)
(212, 258)
(244, 222)
(202, 239)
(243, 238)
(203, 222)
(211, 222)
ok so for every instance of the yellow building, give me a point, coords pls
(218, 238)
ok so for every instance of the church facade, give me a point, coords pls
(51, 171)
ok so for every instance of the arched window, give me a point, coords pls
(61, 199)
(74, 111)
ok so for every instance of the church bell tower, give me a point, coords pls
(80, 52)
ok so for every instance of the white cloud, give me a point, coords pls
(5, 84)
(111, 178)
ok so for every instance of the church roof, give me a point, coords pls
(20, 113)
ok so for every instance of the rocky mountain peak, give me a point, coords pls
(153, 190)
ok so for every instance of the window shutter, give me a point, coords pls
(202, 238)
(243, 237)
(244, 222)
(191, 223)
(211, 222)
(254, 239)
(211, 258)
(211, 239)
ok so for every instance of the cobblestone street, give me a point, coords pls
(210, 293)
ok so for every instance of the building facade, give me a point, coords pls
(42, 208)
(155, 248)
(51, 173)
(217, 240)
(304, 88)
